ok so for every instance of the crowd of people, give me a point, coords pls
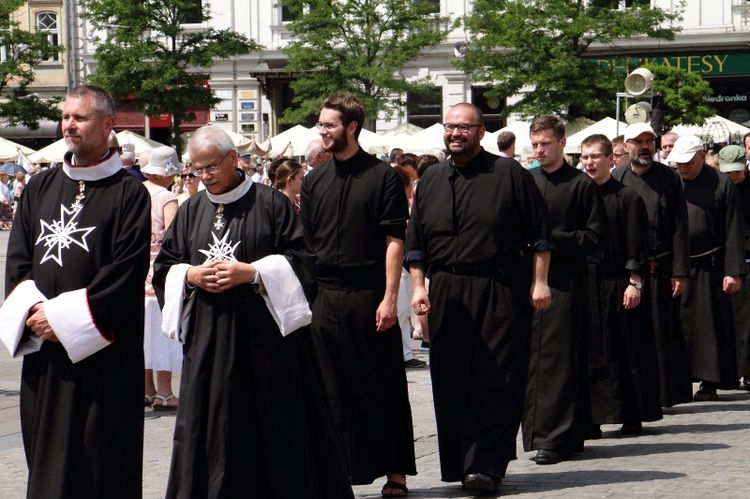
(552, 299)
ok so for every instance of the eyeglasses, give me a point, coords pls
(462, 127)
(639, 143)
(328, 126)
(620, 154)
(211, 169)
(593, 157)
(188, 175)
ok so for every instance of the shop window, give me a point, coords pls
(425, 109)
(491, 108)
(193, 14)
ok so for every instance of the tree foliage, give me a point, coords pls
(683, 96)
(541, 50)
(24, 50)
(150, 56)
(358, 46)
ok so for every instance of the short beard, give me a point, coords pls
(641, 163)
(338, 144)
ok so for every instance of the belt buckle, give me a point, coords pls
(453, 268)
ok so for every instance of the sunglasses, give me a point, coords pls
(188, 175)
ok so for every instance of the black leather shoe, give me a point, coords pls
(544, 456)
(481, 482)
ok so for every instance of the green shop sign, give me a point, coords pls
(711, 64)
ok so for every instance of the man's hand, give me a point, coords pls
(731, 284)
(420, 302)
(678, 285)
(631, 298)
(232, 273)
(37, 321)
(387, 313)
(204, 276)
(540, 295)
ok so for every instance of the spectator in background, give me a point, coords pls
(6, 203)
(667, 144)
(127, 156)
(506, 143)
(316, 154)
(286, 175)
(619, 153)
(162, 355)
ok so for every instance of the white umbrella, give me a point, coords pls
(53, 153)
(299, 136)
(607, 127)
(404, 129)
(577, 125)
(428, 140)
(519, 128)
(140, 142)
(9, 150)
(374, 143)
(714, 129)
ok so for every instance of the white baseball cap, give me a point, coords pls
(685, 148)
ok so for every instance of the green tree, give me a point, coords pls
(683, 96)
(149, 56)
(24, 51)
(542, 50)
(358, 46)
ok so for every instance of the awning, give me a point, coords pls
(47, 130)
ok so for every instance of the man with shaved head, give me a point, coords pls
(480, 224)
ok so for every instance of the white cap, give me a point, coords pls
(163, 161)
(685, 148)
(636, 129)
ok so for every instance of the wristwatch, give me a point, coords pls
(637, 285)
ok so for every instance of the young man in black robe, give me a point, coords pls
(481, 225)
(660, 188)
(717, 259)
(622, 348)
(252, 415)
(732, 162)
(354, 208)
(557, 415)
(77, 258)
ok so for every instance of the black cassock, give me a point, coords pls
(717, 234)
(622, 349)
(557, 414)
(82, 421)
(741, 299)
(349, 207)
(475, 227)
(668, 243)
(252, 419)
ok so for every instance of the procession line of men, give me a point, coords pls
(554, 303)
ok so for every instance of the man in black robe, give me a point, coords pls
(481, 225)
(557, 416)
(660, 188)
(732, 162)
(77, 258)
(354, 208)
(252, 415)
(717, 259)
(622, 348)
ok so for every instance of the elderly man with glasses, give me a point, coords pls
(251, 411)
(669, 263)
(479, 223)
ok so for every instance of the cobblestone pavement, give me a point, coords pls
(698, 450)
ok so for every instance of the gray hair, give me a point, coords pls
(210, 135)
(103, 102)
(315, 147)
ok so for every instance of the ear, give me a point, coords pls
(352, 128)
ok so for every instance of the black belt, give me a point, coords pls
(485, 269)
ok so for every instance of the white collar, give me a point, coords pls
(233, 195)
(107, 166)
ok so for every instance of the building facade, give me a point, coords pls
(254, 88)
